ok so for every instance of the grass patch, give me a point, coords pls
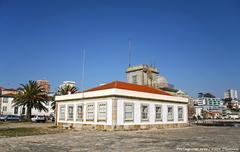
(18, 132)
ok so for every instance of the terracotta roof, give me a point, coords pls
(129, 86)
(8, 95)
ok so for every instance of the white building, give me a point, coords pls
(7, 108)
(121, 106)
(230, 94)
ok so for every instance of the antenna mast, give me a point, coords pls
(83, 69)
(129, 51)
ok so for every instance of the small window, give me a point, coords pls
(70, 112)
(4, 108)
(134, 79)
(170, 113)
(158, 113)
(5, 100)
(128, 112)
(79, 112)
(62, 112)
(144, 112)
(90, 112)
(180, 113)
(15, 110)
(23, 110)
(102, 111)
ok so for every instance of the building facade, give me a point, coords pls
(231, 94)
(121, 106)
(7, 108)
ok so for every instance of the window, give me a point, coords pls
(62, 112)
(128, 112)
(15, 110)
(158, 113)
(70, 112)
(170, 113)
(90, 112)
(180, 113)
(144, 112)
(134, 79)
(102, 111)
(23, 110)
(4, 108)
(79, 112)
(5, 100)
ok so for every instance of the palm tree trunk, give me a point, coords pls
(29, 112)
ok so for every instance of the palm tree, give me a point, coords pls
(31, 95)
(67, 89)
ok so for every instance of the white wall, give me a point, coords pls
(137, 114)
(120, 111)
(85, 102)
(10, 109)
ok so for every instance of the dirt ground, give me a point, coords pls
(170, 140)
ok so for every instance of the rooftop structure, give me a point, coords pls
(148, 76)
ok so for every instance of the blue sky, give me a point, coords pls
(195, 44)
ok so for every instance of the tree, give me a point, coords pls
(31, 95)
(66, 89)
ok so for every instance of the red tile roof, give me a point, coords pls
(129, 86)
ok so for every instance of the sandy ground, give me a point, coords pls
(169, 140)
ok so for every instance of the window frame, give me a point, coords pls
(4, 108)
(124, 112)
(141, 108)
(161, 107)
(182, 118)
(134, 79)
(68, 114)
(93, 112)
(172, 119)
(77, 113)
(60, 112)
(14, 111)
(23, 111)
(98, 112)
(5, 100)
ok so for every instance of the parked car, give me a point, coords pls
(10, 118)
(38, 118)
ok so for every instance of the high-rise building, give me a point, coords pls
(44, 84)
(230, 94)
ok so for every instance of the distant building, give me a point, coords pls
(68, 83)
(231, 94)
(44, 84)
(7, 108)
(208, 103)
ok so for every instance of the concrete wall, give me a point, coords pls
(118, 114)
(85, 102)
(137, 113)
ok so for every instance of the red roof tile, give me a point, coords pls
(129, 86)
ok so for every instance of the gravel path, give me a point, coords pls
(166, 140)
